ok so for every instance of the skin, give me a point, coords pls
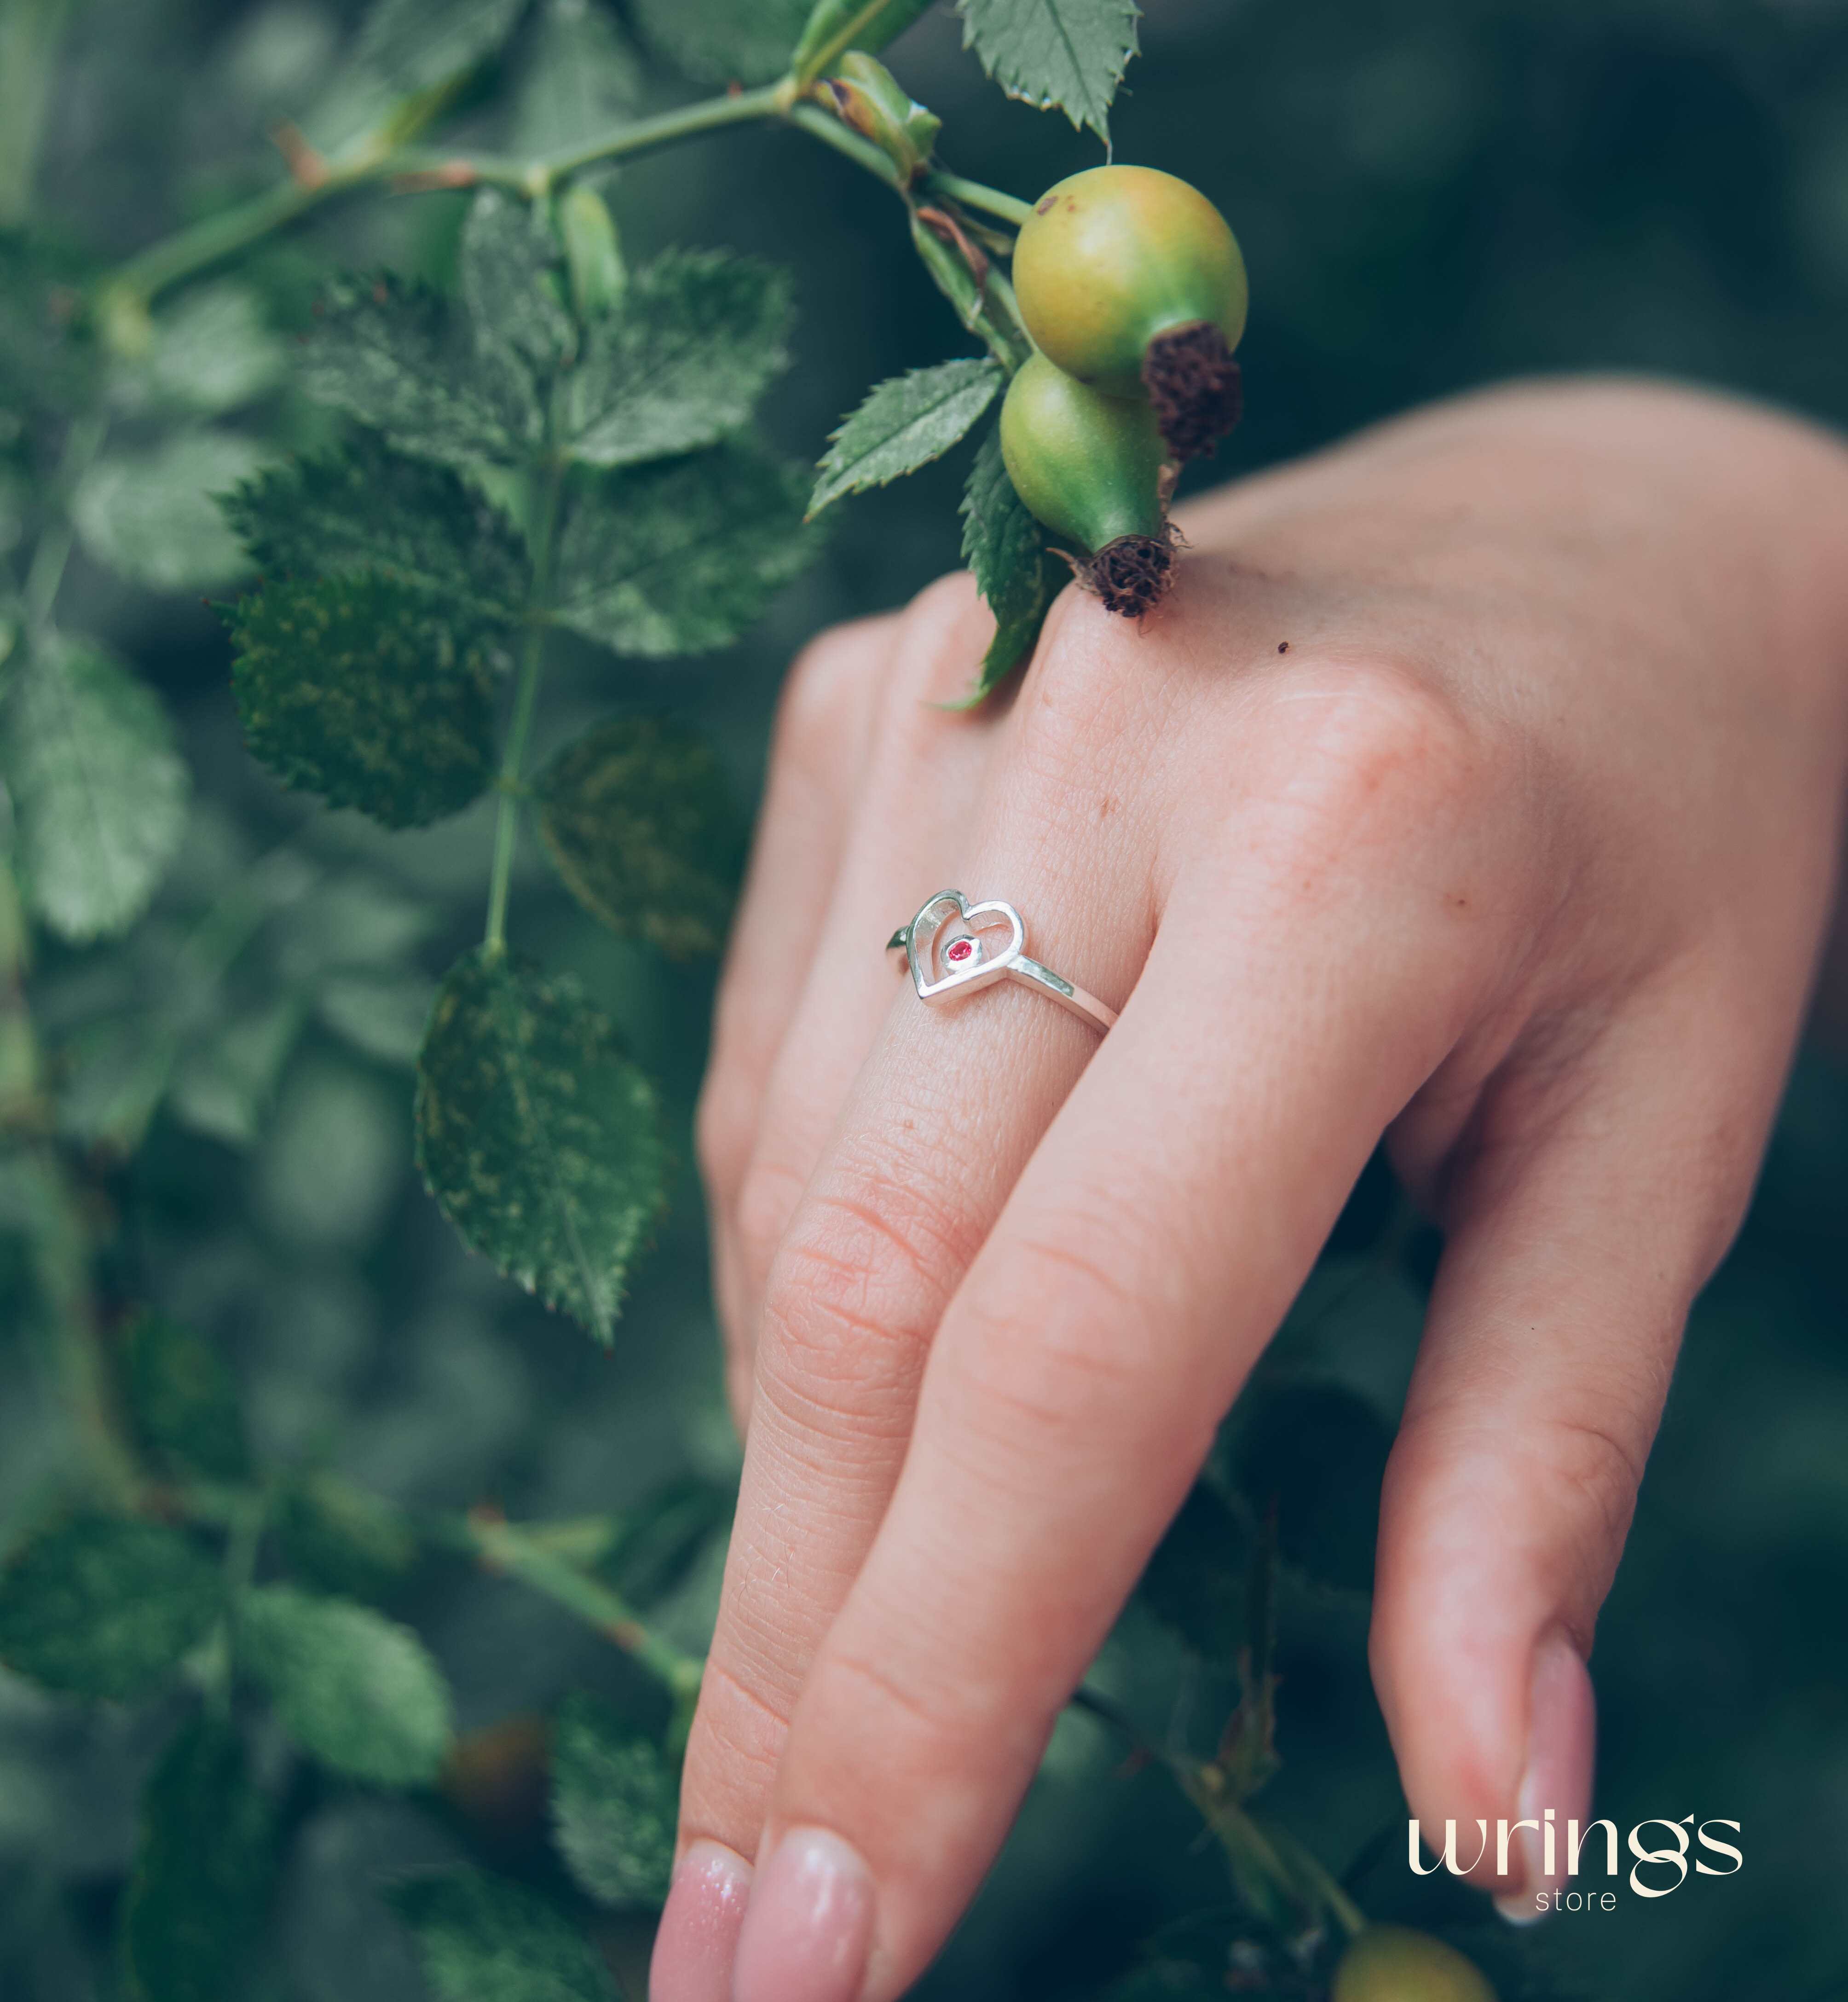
(1521, 855)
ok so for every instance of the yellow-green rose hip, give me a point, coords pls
(1091, 467)
(1130, 280)
(1396, 1963)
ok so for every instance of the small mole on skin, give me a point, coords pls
(1283, 645)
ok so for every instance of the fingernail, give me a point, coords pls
(1556, 1783)
(809, 1925)
(698, 1938)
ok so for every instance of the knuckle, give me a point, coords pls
(826, 691)
(854, 1295)
(1380, 745)
(769, 1195)
(724, 1119)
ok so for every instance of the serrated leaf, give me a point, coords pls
(204, 1865)
(636, 815)
(482, 1939)
(539, 1137)
(417, 44)
(614, 1802)
(1068, 53)
(182, 1400)
(355, 688)
(153, 517)
(105, 1607)
(390, 355)
(904, 424)
(357, 1690)
(682, 361)
(1005, 548)
(99, 789)
(211, 352)
(1196, 1581)
(681, 556)
(512, 287)
(344, 1539)
(369, 508)
(724, 41)
(581, 79)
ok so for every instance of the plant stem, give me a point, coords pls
(823, 125)
(504, 1546)
(710, 114)
(532, 661)
(29, 32)
(991, 202)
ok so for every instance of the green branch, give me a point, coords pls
(517, 1552)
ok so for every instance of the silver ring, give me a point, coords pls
(943, 965)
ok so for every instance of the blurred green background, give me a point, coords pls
(1430, 196)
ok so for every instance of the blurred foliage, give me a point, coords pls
(1428, 197)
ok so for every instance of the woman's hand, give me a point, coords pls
(1478, 785)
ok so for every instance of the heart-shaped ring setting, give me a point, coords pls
(940, 964)
(954, 946)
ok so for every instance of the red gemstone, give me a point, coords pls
(962, 949)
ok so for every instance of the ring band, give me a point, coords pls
(969, 963)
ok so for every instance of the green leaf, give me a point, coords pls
(724, 41)
(379, 1014)
(1195, 1582)
(226, 1083)
(904, 424)
(1005, 548)
(636, 815)
(204, 1866)
(369, 507)
(152, 516)
(102, 1606)
(836, 25)
(356, 1689)
(614, 1802)
(417, 44)
(392, 356)
(1070, 53)
(581, 79)
(482, 1939)
(539, 1137)
(513, 291)
(213, 351)
(183, 1401)
(681, 556)
(99, 788)
(344, 1538)
(355, 687)
(683, 360)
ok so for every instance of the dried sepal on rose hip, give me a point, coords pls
(1397, 1964)
(1093, 468)
(1130, 280)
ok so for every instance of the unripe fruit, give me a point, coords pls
(1130, 280)
(1396, 1964)
(1091, 467)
